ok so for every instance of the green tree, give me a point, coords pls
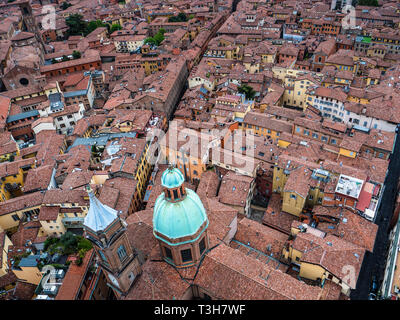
(93, 25)
(79, 261)
(49, 241)
(69, 241)
(115, 27)
(181, 17)
(157, 39)
(172, 19)
(65, 5)
(150, 41)
(76, 54)
(95, 151)
(371, 3)
(84, 244)
(247, 91)
(76, 25)
(65, 58)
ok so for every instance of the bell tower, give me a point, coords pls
(107, 231)
(29, 21)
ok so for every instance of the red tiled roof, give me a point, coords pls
(48, 213)
(7, 279)
(230, 274)
(260, 237)
(38, 178)
(70, 63)
(23, 291)
(26, 232)
(74, 277)
(22, 202)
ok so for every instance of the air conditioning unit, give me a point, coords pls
(58, 274)
(50, 290)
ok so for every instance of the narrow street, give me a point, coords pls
(374, 263)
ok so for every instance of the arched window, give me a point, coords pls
(121, 253)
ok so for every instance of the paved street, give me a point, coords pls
(374, 263)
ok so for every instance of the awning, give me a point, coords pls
(365, 197)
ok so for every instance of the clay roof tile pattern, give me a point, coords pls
(38, 178)
(235, 189)
(332, 253)
(48, 213)
(74, 277)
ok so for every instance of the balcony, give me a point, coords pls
(74, 222)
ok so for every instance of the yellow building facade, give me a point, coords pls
(4, 260)
(28, 274)
(15, 179)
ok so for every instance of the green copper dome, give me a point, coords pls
(172, 178)
(178, 219)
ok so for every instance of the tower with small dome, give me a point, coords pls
(180, 221)
(107, 231)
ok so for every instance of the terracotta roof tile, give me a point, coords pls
(48, 213)
(275, 218)
(77, 179)
(26, 232)
(331, 253)
(260, 237)
(232, 275)
(235, 189)
(22, 202)
(7, 279)
(38, 178)
(209, 184)
(74, 277)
